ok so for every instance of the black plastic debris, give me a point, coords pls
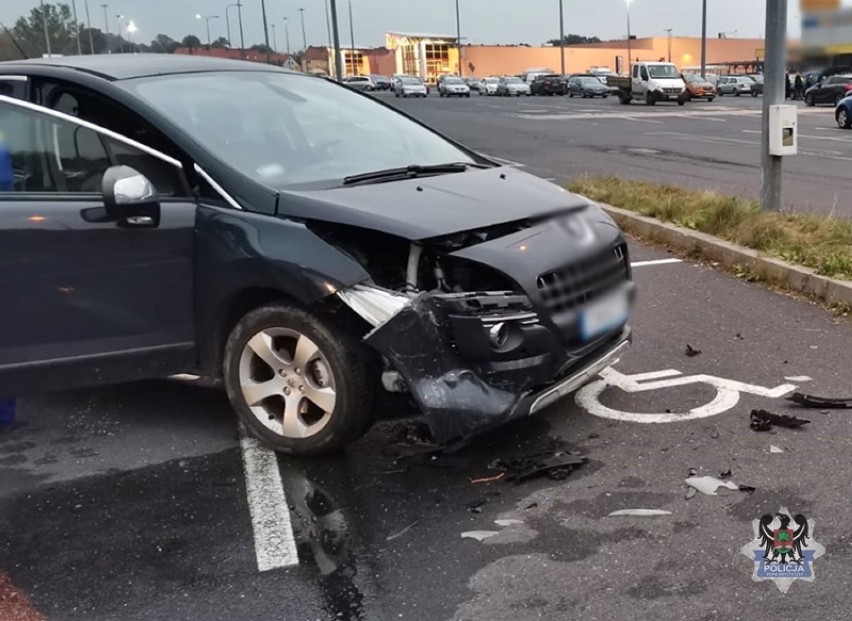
(748, 489)
(761, 420)
(475, 506)
(555, 465)
(691, 352)
(811, 401)
(727, 474)
(739, 336)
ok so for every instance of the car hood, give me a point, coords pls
(669, 82)
(429, 207)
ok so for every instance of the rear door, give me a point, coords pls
(88, 299)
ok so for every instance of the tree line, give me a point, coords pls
(26, 37)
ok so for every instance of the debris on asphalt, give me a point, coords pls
(799, 378)
(812, 401)
(748, 489)
(400, 533)
(532, 505)
(556, 465)
(693, 472)
(475, 506)
(715, 433)
(709, 485)
(761, 420)
(416, 434)
(727, 474)
(775, 449)
(479, 535)
(639, 512)
(739, 336)
(691, 352)
(690, 492)
(488, 479)
(508, 522)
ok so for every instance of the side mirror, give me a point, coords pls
(130, 198)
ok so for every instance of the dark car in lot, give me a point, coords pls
(587, 86)
(548, 84)
(381, 83)
(307, 244)
(830, 90)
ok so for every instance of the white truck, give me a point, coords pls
(651, 82)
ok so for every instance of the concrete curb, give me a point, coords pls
(774, 271)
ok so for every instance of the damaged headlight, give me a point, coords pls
(373, 304)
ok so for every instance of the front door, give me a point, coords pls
(87, 298)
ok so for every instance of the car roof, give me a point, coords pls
(127, 66)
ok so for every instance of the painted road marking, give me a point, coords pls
(727, 394)
(274, 543)
(655, 262)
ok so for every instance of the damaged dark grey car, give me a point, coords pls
(307, 244)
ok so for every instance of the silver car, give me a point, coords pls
(410, 87)
(513, 86)
(452, 86)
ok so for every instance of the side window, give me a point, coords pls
(635, 71)
(13, 86)
(40, 153)
(644, 73)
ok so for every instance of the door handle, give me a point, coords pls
(140, 221)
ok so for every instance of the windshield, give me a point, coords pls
(492, 80)
(590, 82)
(412, 81)
(453, 81)
(286, 130)
(514, 81)
(694, 79)
(663, 71)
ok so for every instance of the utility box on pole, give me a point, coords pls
(783, 130)
(779, 135)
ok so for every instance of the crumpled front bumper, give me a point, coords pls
(461, 397)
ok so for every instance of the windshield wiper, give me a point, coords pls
(412, 171)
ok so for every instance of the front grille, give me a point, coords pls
(671, 91)
(578, 283)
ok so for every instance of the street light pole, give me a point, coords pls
(335, 33)
(265, 30)
(327, 22)
(287, 35)
(458, 38)
(89, 26)
(207, 19)
(304, 36)
(44, 23)
(774, 90)
(704, 39)
(562, 37)
(228, 23)
(76, 27)
(274, 39)
(240, 19)
(118, 19)
(352, 39)
(669, 30)
(629, 43)
(106, 19)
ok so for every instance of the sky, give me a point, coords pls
(482, 21)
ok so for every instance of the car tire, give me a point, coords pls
(809, 101)
(709, 99)
(468, 95)
(844, 120)
(337, 372)
(754, 94)
(625, 101)
(649, 99)
(736, 93)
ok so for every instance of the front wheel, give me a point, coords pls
(709, 99)
(844, 121)
(301, 385)
(809, 101)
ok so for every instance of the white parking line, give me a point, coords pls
(274, 544)
(655, 262)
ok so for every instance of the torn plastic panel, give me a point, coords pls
(374, 304)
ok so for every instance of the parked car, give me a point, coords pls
(359, 82)
(734, 85)
(453, 86)
(381, 83)
(651, 83)
(757, 84)
(488, 86)
(587, 86)
(548, 84)
(472, 83)
(843, 113)
(511, 85)
(410, 87)
(531, 74)
(829, 91)
(300, 242)
(699, 88)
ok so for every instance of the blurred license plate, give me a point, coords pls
(603, 315)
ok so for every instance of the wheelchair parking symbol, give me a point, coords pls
(727, 394)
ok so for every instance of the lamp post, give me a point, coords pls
(274, 40)
(89, 26)
(44, 23)
(76, 27)
(287, 35)
(228, 23)
(106, 19)
(704, 40)
(335, 33)
(207, 19)
(118, 19)
(131, 30)
(562, 37)
(265, 29)
(327, 22)
(304, 36)
(458, 38)
(669, 31)
(352, 39)
(629, 43)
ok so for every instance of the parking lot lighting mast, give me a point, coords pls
(458, 37)
(207, 19)
(118, 19)
(774, 88)
(562, 37)
(327, 22)
(106, 19)
(44, 23)
(352, 40)
(335, 33)
(228, 22)
(304, 35)
(669, 31)
(287, 35)
(89, 27)
(76, 27)
(274, 40)
(629, 43)
(265, 29)
(704, 39)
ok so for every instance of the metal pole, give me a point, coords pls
(458, 38)
(562, 36)
(265, 29)
(773, 94)
(304, 36)
(228, 23)
(76, 27)
(327, 22)
(669, 30)
(352, 40)
(89, 26)
(274, 40)
(629, 43)
(120, 37)
(106, 19)
(207, 21)
(287, 35)
(704, 39)
(44, 23)
(335, 33)
(242, 40)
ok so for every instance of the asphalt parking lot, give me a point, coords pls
(703, 144)
(132, 502)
